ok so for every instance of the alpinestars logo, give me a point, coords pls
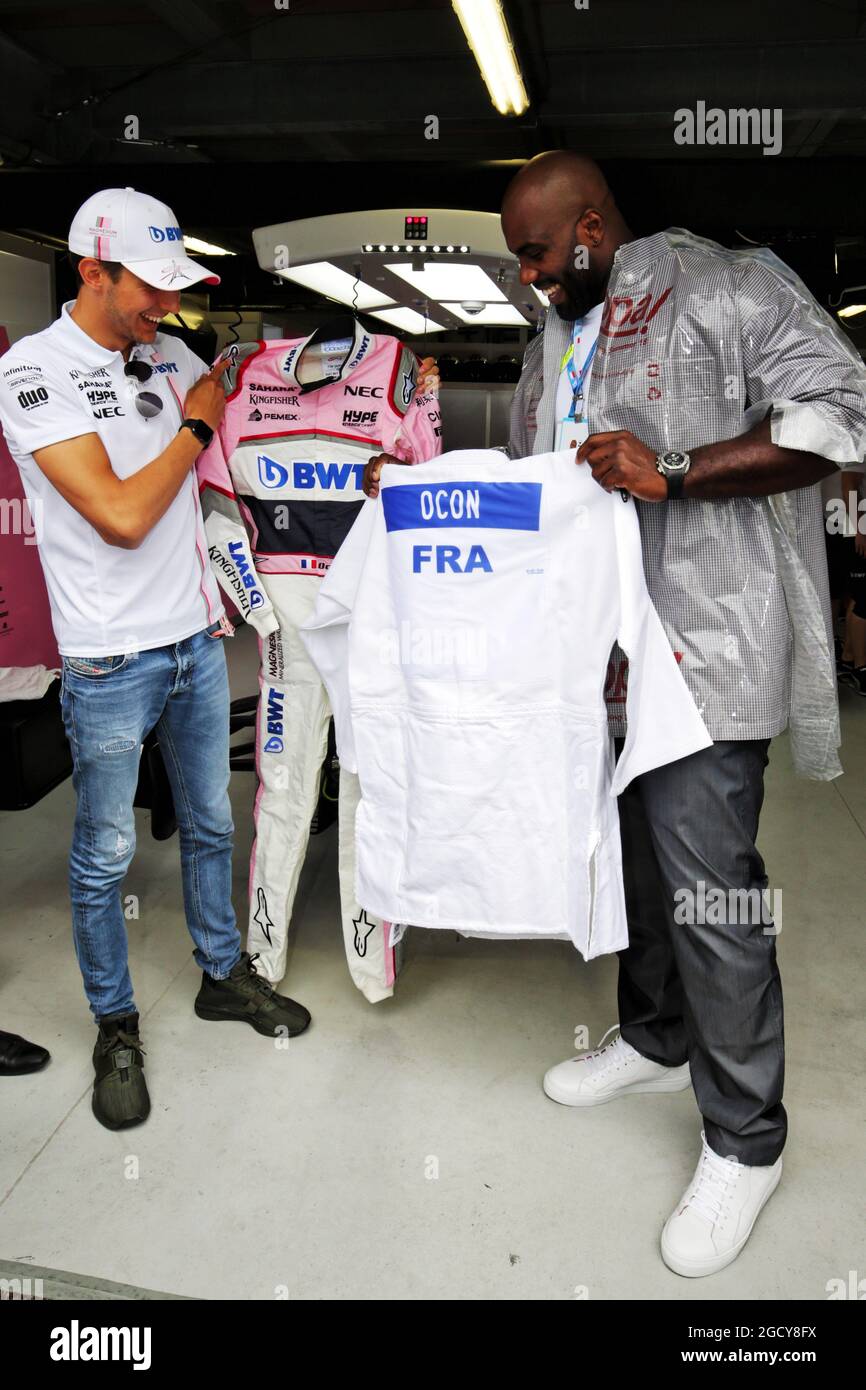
(173, 271)
(261, 916)
(408, 386)
(360, 942)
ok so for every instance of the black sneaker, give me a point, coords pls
(247, 998)
(120, 1097)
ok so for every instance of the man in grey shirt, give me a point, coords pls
(720, 394)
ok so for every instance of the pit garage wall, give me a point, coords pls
(26, 286)
(475, 415)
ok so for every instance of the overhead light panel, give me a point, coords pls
(420, 246)
(501, 315)
(487, 34)
(197, 247)
(330, 280)
(850, 310)
(447, 280)
(408, 320)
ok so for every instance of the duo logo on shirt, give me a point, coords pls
(476, 506)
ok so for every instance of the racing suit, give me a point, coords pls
(280, 488)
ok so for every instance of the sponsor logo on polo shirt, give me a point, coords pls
(31, 398)
(25, 372)
(87, 378)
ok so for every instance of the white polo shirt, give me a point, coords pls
(59, 384)
(568, 431)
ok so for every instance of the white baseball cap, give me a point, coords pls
(141, 233)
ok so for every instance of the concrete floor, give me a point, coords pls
(406, 1150)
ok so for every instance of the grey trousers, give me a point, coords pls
(704, 991)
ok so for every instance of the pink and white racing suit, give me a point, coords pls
(280, 488)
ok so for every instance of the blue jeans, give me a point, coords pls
(109, 704)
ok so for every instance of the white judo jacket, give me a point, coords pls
(463, 633)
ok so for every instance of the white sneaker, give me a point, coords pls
(593, 1078)
(709, 1227)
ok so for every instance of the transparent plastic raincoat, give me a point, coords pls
(698, 343)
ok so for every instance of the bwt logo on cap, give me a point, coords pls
(165, 233)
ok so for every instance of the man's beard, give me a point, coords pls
(583, 290)
(127, 326)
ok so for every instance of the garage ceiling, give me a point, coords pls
(249, 114)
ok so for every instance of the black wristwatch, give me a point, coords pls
(202, 432)
(673, 467)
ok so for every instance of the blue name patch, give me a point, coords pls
(494, 506)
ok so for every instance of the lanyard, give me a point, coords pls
(576, 379)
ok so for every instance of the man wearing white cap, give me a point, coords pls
(105, 418)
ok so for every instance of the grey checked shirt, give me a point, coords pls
(697, 344)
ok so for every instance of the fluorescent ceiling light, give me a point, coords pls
(196, 247)
(486, 31)
(408, 320)
(542, 297)
(446, 280)
(850, 310)
(503, 314)
(337, 284)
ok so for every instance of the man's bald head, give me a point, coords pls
(560, 219)
(570, 180)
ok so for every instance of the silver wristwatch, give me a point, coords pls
(673, 467)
